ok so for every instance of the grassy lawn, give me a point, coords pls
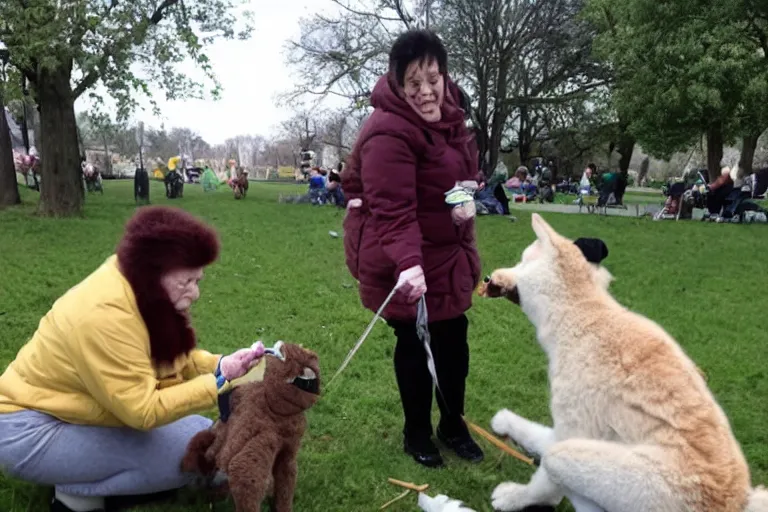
(281, 276)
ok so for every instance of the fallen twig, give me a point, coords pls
(390, 502)
(499, 443)
(409, 485)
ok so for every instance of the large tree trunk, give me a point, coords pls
(525, 136)
(499, 117)
(625, 150)
(25, 113)
(108, 163)
(9, 189)
(61, 189)
(644, 167)
(624, 145)
(748, 148)
(714, 150)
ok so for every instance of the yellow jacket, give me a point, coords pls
(89, 363)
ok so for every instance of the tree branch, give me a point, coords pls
(159, 13)
(563, 98)
(90, 79)
(398, 7)
(364, 13)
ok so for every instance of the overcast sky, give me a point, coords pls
(251, 74)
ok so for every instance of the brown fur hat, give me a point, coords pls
(159, 239)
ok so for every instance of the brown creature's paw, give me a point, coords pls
(194, 460)
(501, 283)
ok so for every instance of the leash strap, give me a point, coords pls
(365, 334)
(422, 330)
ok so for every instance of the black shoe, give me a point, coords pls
(57, 506)
(424, 452)
(463, 444)
(539, 508)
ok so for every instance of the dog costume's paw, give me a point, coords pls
(509, 497)
(504, 423)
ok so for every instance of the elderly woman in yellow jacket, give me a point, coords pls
(102, 400)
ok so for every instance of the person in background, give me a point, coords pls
(717, 192)
(334, 186)
(316, 187)
(102, 401)
(400, 232)
(585, 185)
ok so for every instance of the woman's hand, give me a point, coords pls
(412, 283)
(237, 364)
(463, 212)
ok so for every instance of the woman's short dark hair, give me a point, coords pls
(416, 45)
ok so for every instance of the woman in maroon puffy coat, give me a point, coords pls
(399, 230)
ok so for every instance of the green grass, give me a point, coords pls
(282, 276)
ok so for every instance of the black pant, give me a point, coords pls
(501, 197)
(451, 354)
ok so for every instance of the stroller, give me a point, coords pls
(679, 203)
(683, 195)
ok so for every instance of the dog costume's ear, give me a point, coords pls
(544, 231)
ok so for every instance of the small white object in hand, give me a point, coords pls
(441, 503)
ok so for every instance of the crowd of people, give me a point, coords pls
(324, 188)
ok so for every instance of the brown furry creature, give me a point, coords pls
(258, 444)
(240, 185)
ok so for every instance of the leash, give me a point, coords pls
(365, 334)
(422, 331)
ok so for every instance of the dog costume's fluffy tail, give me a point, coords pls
(195, 460)
(758, 500)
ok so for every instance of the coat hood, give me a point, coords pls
(157, 240)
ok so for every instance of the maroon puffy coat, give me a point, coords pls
(401, 167)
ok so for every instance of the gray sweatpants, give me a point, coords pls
(95, 461)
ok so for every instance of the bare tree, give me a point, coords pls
(344, 54)
(338, 129)
(303, 128)
(280, 151)
(520, 59)
(516, 58)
